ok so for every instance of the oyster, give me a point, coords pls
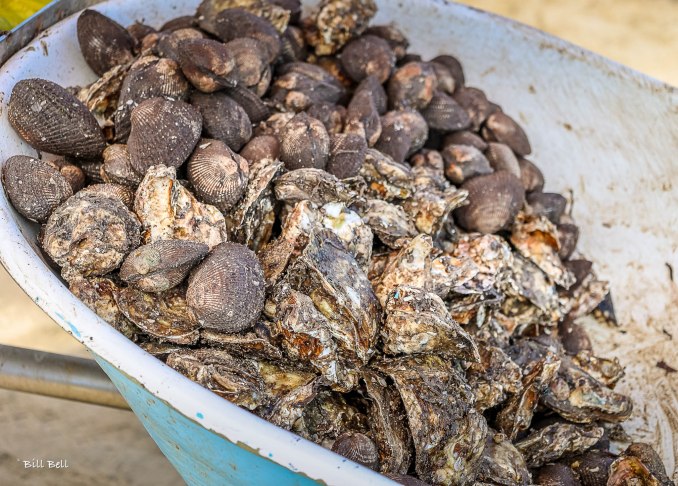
(336, 22)
(501, 463)
(254, 343)
(554, 441)
(386, 179)
(390, 223)
(314, 185)
(494, 377)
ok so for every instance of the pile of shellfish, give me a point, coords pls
(323, 228)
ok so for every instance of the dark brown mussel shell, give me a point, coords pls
(104, 43)
(411, 86)
(261, 147)
(494, 201)
(234, 23)
(368, 55)
(163, 132)
(462, 162)
(118, 167)
(304, 142)
(358, 448)
(226, 291)
(138, 31)
(445, 114)
(149, 77)
(500, 127)
(161, 265)
(223, 119)
(34, 187)
(111, 190)
(52, 120)
(347, 154)
(219, 176)
(207, 64)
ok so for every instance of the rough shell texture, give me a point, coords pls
(103, 42)
(218, 175)
(358, 448)
(315, 185)
(500, 127)
(502, 463)
(209, 10)
(255, 108)
(90, 235)
(251, 67)
(304, 142)
(336, 22)
(368, 55)
(261, 147)
(159, 266)
(475, 103)
(34, 187)
(553, 441)
(163, 132)
(226, 291)
(463, 162)
(118, 167)
(494, 200)
(556, 474)
(391, 34)
(444, 114)
(330, 114)
(168, 44)
(347, 153)
(51, 119)
(223, 119)
(501, 157)
(114, 191)
(386, 179)
(403, 133)
(235, 23)
(412, 86)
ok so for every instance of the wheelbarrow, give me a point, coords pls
(601, 132)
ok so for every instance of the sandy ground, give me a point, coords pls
(106, 446)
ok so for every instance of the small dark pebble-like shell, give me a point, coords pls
(118, 167)
(330, 114)
(207, 64)
(218, 175)
(463, 162)
(494, 201)
(261, 147)
(445, 114)
(446, 82)
(347, 153)
(358, 448)
(372, 85)
(163, 132)
(475, 103)
(593, 467)
(391, 34)
(573, 337)
(501, 157)
(500, 127)
(293, 6)
(568, 235)
(411, 86)
(94, 171)
(73, 174)
(234, 23)
(104, 43)
(454, 66)
(111, 190)
(549, 204)
(161, 265)
(465, 137)
(168, 44)
(368, 55)
(533, 179)
(34, 187)
(581, 269)
(223, 119)
(253, 105)
(555, 475)
(403, 133)
(304, 142)
(226, 291)
(405, 480)
(52, 120)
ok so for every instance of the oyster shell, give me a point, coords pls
(250, 344)
(501, 463)
(390, 223)
(554, 441)
(493, 378)
(386, 179)
(313, 185)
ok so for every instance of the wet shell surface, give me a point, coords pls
(34, 187)
(163, 132)
(304, 142)
(494, 200)
(159, 266)
(52, 120)
(226, 291)
(223, 119)
(104, 43)
(358, 448)
(219, 175)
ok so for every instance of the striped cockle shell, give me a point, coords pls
(445, 114)
(223, 118)
(299, 84)
(530, 175)
(261, 147)
(168, 43)
(332, 116)
(549, 204)
(104, 43)
(163, 132)
(226, 291)
(304, 142)
(52, 120)
(399, 126)
(347, 154)
(465, 137)
(115, 191)
(368, 55)
(453, 66)
(208, 12)
(251, 66)
(358, 448)
(237, 23)
(500, 127)
(219, 176)
(159, 266)
(118, 167)
(362, 117)
(391, 34)
(501, 157)
(253, 105)
(475, 103)
(35, 188)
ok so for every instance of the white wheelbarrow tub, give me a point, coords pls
(601, 131)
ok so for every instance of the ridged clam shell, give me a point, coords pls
(463, 162)
(299, 84)
(330, 114)
(395, 141)
(304, 142)
(533, 179)
(168, 44)
(159, 266)
(358, 448)
(549, 204)
(403, 132)
(209, 10)
(501, 157)
(494, 201)
(118, 167)
(226, 291)
(593, 467)
(236, 23)
(465, 137)
(163, 132)
(207, 64)
(255, 108)
(104, 43)
(219, 176)
(73, 174)
(149, 77)
(251, 65)
(445, 114)
(111, 190)
(552, 474)
(52, 120)
(261, 147)
(453, 66)
(368, 55)
(93, 170)
(411, 86)
(500, 127)
(347, 154)
(138, 31)
(475, 103)
(178, 23)
(34, 187)
(223, 119)
(362, 117)
(292, 45)
(372, 85)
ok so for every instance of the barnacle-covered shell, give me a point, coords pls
(234, 23)
(368, 55)
(314, 185)
(462, 162)
(165, 315)
(336, 22)
(650, 459)
(347, 153)
(208, 64)
(208, 12)
(114, 191)
(218, 175)
(168, 211)
(501, 157)
(104, 43)
(475, 103)
(417, 321)
(52, 120)
(390, 223)
(118, 167)
(298, 85)
(553, 441)
(386, 179)
(500, 127)
(163, 132)
(444, 114)
(90, 234)
(223, 119)
(358, 448)
(34, 187)
(501, 463)
(494, 201)
(226, 291)
(304, 142)
(411, 86)
(149, 77)
(494, 377)
(159, 266)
